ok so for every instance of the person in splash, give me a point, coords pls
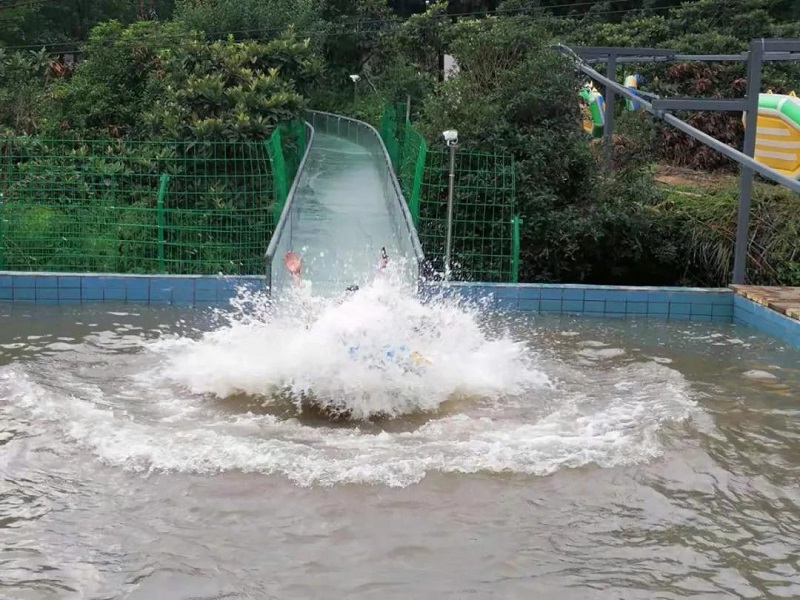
(294, 264)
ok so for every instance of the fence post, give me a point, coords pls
(516, 221)
(162, 193)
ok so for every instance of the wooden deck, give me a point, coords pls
(785, 300)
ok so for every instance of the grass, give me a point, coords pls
(704, 206)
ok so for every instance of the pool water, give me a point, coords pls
(162, 453)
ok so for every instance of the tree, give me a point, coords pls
(117, 79)
(230, 90)
(247, 19)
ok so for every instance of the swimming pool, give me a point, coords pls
(147, 452)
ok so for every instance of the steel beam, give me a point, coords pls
(610, 98)
(746, 173)
(720, 104)
(776, 45)
(767, 57)
(605, 51)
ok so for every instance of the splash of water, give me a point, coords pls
(375, 352)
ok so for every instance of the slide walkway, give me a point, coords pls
(345, 204)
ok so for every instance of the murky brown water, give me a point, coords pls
(659, 462)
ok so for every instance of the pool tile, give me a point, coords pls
(211, 284)
(92, 293)
(47, 295)
(108, 283)
(572, 306)
(160, 293)
(599, 294)
(46, 281)
(23, 281)
(616, 307)
(550, 305)
(636, 308)
(506, 303)
(701, 310)
(573, 294)
(530, 293)
(529, 304)
(69, 294)
(595, 307)
(658, 308)
(551, 294)
(24, 294)
(680, 308)
(115, 294)
(205, 296)
(69, 282)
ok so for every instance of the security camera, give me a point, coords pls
(355, 78)
(451, 137)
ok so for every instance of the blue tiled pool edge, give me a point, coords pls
(671, 303)
(766, 320)
(722, 305)
(78, 288)
(687, 304)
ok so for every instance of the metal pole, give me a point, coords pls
(746, 173)
(408, 108)
(611, 73)
(448, 244)
(728, 151)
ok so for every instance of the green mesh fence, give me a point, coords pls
(485, 228)
(143, 207)
(483, 212)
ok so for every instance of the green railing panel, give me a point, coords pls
(123, 206)
(483, 208)
(485, 227)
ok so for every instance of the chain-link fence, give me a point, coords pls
(485, 228)
(121, 206)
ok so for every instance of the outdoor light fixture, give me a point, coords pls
(355, 79)
(451, 139)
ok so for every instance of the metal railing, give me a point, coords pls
(281, 240)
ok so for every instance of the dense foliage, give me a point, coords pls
(229, 72)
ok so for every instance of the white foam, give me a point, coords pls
(580, 431)
(336, 351)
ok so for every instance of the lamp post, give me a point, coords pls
(451, 139)
(355, 79)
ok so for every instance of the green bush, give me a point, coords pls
(705, 226)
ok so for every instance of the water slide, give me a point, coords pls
(345, 204)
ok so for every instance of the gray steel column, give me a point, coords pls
(608, 128)
(746, 173)
(448, 244)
